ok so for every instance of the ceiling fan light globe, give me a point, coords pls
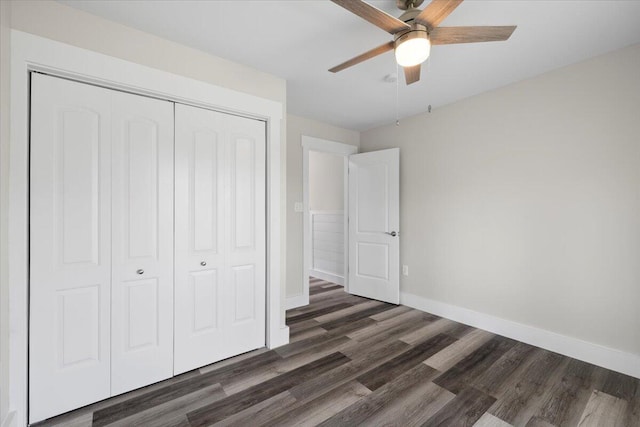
(412, 51)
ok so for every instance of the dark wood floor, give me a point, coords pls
(354, 361)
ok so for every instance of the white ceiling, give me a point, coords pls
(300, 40)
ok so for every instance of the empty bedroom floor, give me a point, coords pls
(354, 361)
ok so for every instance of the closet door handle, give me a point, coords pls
(391, 233)
(140, 271)
(203, 263)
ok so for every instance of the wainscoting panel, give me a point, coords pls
(327, 245)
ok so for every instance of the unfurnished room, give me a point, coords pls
(320, 213)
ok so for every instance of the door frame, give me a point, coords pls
(31, 53)
(310, 143)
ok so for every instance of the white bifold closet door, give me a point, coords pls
(220, 254)
(100, 210)
(142, 253)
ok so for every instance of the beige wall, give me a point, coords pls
(5, 43)
(326, 181)
(524, 202)
(296, 127)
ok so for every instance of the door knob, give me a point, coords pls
(140, 271)
(203, 263)
(391, 233)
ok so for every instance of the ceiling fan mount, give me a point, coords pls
(408, 4)
(409, 15)
(416, 30)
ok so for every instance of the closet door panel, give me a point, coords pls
(246, 260)
(70, 246)
(220, 236)
(142, 302)
(199, 237)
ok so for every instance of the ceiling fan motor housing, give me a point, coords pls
(416, 31)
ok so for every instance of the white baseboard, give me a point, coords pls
(329, 277)
(296, 301)
(596, 354)
(9, 420)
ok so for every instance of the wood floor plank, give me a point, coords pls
(451, 355)
(361, 411)
(237, 402)
(621, 386)
(497, 374)
(316, 411)
(315, 313)
(427, 331)
(174, 411)
(300, 327)
(385, 373)
(390, 314)
(603, 410)
(633, 411)
(566, 399)
(238, 365)
(488, 420)
(251, 378)
(335, 296)
(346, 311)
(515, 399)
(361, 363)
(307, 333)
(336, 336)
(463, 410)
(357, 316)
(260, 413)
(325, 300)
(414, 407)
(460, 330)
(539, 422)
(413, 319)
(323, 289)
(465, 372)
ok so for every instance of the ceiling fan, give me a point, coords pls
(415, 31)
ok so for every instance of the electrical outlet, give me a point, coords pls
(298, 207)
(405, 270)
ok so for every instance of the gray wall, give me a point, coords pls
(326, 181)
(524, 202)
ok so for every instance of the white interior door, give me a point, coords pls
(70, 246)
(220, 254)
(142, 227)
(374, 235)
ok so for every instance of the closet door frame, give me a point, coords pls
(30, 53)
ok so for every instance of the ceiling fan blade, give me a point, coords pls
(412, 74)
(374, 15)
(363, 57)
(452, 35)
(436, 12)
